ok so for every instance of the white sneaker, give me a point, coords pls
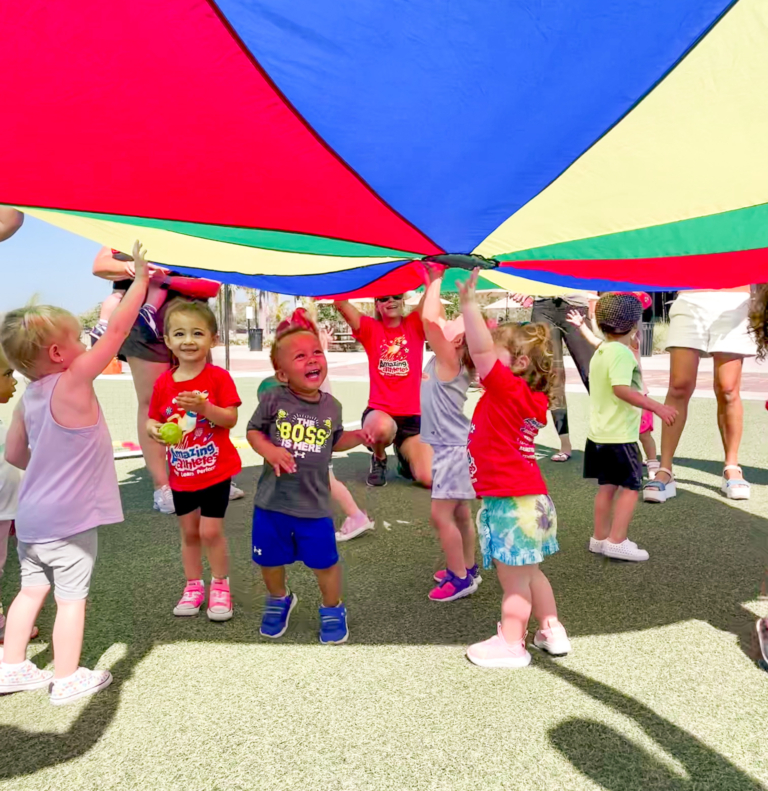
(626, 550)
(235, 493)
(553, 640)
(596, 545)
(163, 500)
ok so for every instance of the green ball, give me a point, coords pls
(267, 384)
(171, 433)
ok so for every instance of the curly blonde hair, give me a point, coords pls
(26, 331)
(534, 341)
(758, 320)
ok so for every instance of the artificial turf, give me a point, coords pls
(660, 692)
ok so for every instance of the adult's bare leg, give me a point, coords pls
(730, 410)
(383, 429)
(145, 374)
(683, 370)
(419, 457)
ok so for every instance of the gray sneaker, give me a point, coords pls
(378, 473)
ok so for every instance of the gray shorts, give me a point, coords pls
(450, 473)
(67, 565)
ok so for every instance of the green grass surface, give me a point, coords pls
(660, 691)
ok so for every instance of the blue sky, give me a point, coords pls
(54, 264)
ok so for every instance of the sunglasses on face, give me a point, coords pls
(390, 298)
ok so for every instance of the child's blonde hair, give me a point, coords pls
(26, 331)
(533, 340)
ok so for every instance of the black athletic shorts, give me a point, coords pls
(137, 344)
(407, 425)
(614, 464)
(212, 501)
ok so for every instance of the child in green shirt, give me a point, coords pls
(616, 402)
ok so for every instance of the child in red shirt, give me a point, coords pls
(517, 524)
(201, 399)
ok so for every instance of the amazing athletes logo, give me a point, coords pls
(393, 357)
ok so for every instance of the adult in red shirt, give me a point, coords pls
(394, 344)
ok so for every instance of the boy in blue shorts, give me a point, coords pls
(296, 429)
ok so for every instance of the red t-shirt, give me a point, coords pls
(395, 356)
(507, 418)
(205, 456)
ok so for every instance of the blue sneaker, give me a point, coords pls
(277, 612)
(333, 625)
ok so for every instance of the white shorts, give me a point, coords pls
(711, 322)
(450, 473)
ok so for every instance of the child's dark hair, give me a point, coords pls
(193, 307)
(298, 321)
(533, 340)
(758, 320)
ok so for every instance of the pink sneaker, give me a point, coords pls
(219, 601)
(497, 652)
(192, 599)
(553, 640)
(354, 526)
(453, 587)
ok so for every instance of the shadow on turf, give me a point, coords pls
(612, 761)
(707, 559)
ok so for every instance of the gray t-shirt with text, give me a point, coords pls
(309, 430)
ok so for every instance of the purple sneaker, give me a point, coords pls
(453, 587)
(440, 575)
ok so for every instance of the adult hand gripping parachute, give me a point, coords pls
(323, 148)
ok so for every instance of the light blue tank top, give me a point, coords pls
(443, 421)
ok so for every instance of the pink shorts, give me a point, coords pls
(646, 421)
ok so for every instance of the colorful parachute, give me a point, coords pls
(321, 146)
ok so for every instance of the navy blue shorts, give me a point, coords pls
(280, 539)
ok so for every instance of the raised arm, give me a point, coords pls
(432, 315)
(194, 287)
(107, 267)
(10, 222)
(479, 339)
(578, 320)
(350, 313)
(89, 366)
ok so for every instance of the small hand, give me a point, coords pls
(526, 300)
(280, 459)
(153, 429)
(431, 272)
(140, 265)
(575, 318)
(667, 413)
(191, 401)
(366, 437)
(467, 290)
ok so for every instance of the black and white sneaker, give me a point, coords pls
(378, 473)
(148, 322)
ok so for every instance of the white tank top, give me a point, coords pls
(70, 484)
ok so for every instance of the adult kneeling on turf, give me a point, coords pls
(394, 344)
